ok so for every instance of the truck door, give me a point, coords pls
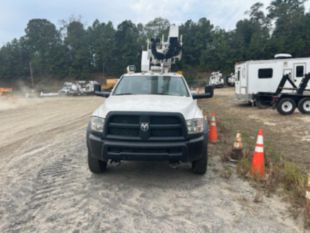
(298, 72)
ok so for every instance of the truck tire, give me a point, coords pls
(286, 106)
(304, 105)
(95, 165)
(200, 166)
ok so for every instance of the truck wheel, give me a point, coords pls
(286, 106)
(200, 166)
(96, 166)
(304, 105)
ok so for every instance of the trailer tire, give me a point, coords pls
(286, 106)
(304, 105)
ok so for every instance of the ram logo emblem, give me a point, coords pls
(144, 126)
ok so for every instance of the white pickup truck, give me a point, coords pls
(148, 116)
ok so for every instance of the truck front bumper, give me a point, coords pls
(185, 151)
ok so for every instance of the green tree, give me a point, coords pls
(196, 38)
(13, 62)
(288, 16)
(156, 28)
(127, 50)
(78, 50)
(101, 41)
(42, 43)
(217, 56)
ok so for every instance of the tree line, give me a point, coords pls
(77, 51)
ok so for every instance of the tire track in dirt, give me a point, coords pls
(56, 182)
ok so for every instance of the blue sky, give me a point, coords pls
(14, 14)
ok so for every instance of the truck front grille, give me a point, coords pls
(144, 126)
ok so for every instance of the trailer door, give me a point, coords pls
(244, 79)
(237, 79)
(298, 72)
(241, 80)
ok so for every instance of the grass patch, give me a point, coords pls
(226, 172)
(281, 175)
(244, 167)
(294, 181)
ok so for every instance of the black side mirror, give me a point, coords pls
(97, 87)
(105, 94)
(201, 96)
(209, 92)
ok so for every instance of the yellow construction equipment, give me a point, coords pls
(5, 91)
(109, 84)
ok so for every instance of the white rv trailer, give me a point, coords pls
(256, 81)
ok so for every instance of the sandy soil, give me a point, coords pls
(13, 102)
(47, 187)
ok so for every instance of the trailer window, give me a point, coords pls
(299, 71)
(265, 73)
(238, 75)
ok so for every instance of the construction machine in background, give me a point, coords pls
(216, 80)
(230, 80)
(78, 88)
(109, 84)
(5, 91)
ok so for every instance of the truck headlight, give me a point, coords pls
(195, 126)
(97, 124)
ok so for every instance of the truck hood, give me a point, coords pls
(150, 103)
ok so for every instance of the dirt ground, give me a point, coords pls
(47, 187)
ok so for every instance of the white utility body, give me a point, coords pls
(263, 76)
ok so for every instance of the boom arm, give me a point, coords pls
(160, 55)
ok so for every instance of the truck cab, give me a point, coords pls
(148, 117)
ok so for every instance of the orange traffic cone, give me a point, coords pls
(213, 137)
(258, 161)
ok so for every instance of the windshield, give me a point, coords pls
(151, 85)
